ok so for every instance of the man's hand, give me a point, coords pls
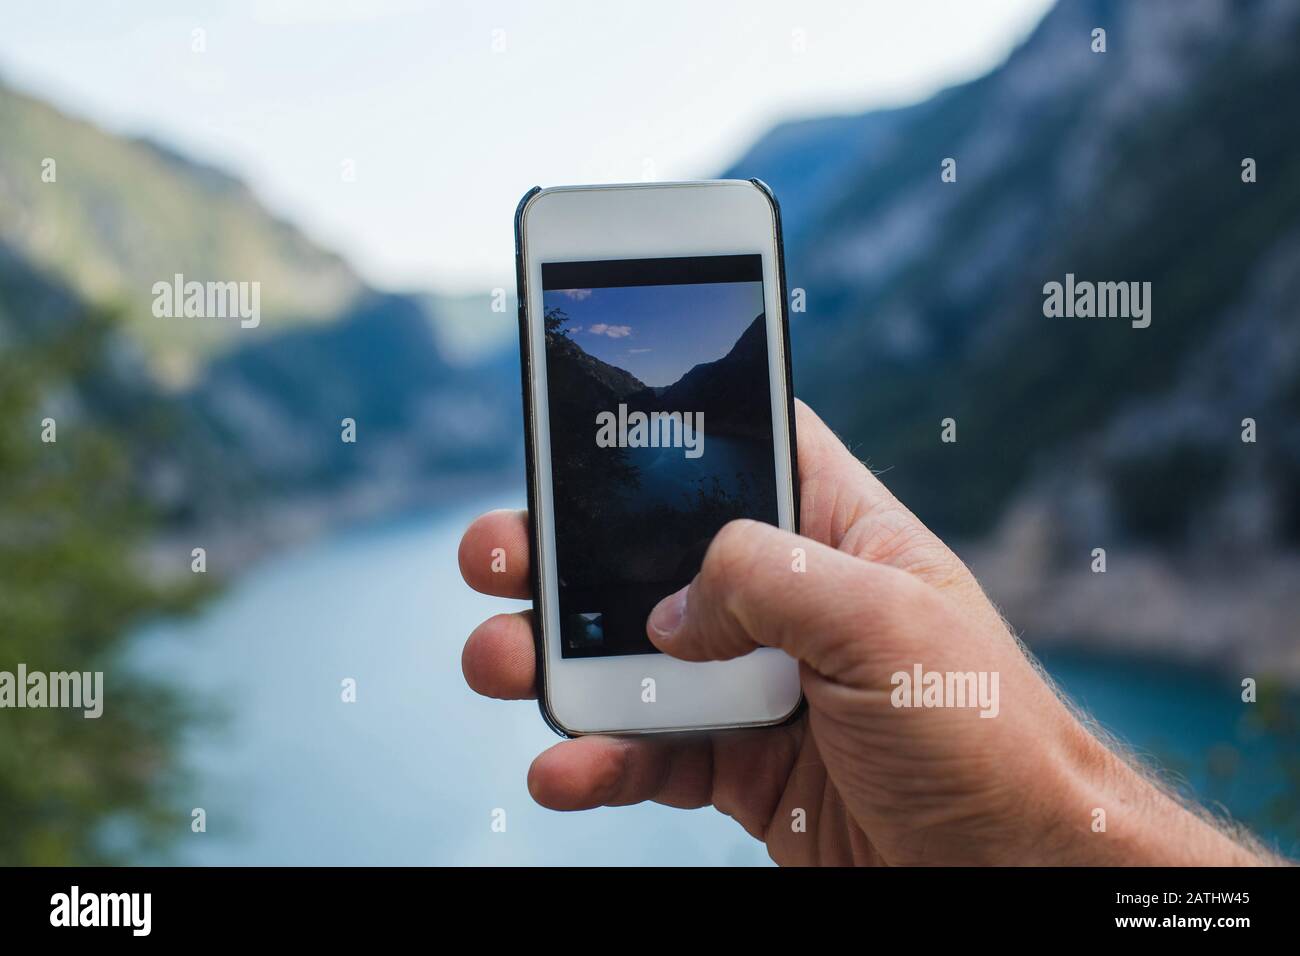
(875, 783)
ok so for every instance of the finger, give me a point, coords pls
(494, 554)
(615, 771)
(743, 773)
(840, 615)
(498, 660)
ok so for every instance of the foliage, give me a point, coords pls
(71, 520)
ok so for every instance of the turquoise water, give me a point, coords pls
(1193, 726)
(414, 770)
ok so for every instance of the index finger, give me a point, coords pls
(494, 554)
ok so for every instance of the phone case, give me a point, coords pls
(525, 368)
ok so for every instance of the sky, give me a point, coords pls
(657, 332)
(402, 134)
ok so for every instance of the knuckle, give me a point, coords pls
(899, 600)
(893, 536)
(731, 553)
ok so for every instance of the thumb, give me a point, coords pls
(836, 613)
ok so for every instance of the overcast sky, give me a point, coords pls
(448, 112)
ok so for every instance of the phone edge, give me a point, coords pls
(779, 232)
(530, 470)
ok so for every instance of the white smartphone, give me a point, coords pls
(658, 406)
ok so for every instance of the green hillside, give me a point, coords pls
(122, 214)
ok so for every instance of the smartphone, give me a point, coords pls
(658, 407)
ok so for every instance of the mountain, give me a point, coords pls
(925, 297)
(82, 377)
(252, 415)
(925, 303)
(810, 159)
(584, 380)
(280, 405)
(122, 213)
(724, 389)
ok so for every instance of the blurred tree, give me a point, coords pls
(71, 521)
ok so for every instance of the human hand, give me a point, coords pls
(855, 779)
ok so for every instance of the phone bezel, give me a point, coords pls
(767, 672)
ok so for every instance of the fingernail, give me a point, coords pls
(668, 613)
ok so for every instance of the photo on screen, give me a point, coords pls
(660, 431)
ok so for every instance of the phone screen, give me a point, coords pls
(660, 431)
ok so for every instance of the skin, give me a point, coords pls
(877, 784)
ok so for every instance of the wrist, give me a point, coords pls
(1114, 814)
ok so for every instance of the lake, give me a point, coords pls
(414, 771)
(668, 477)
